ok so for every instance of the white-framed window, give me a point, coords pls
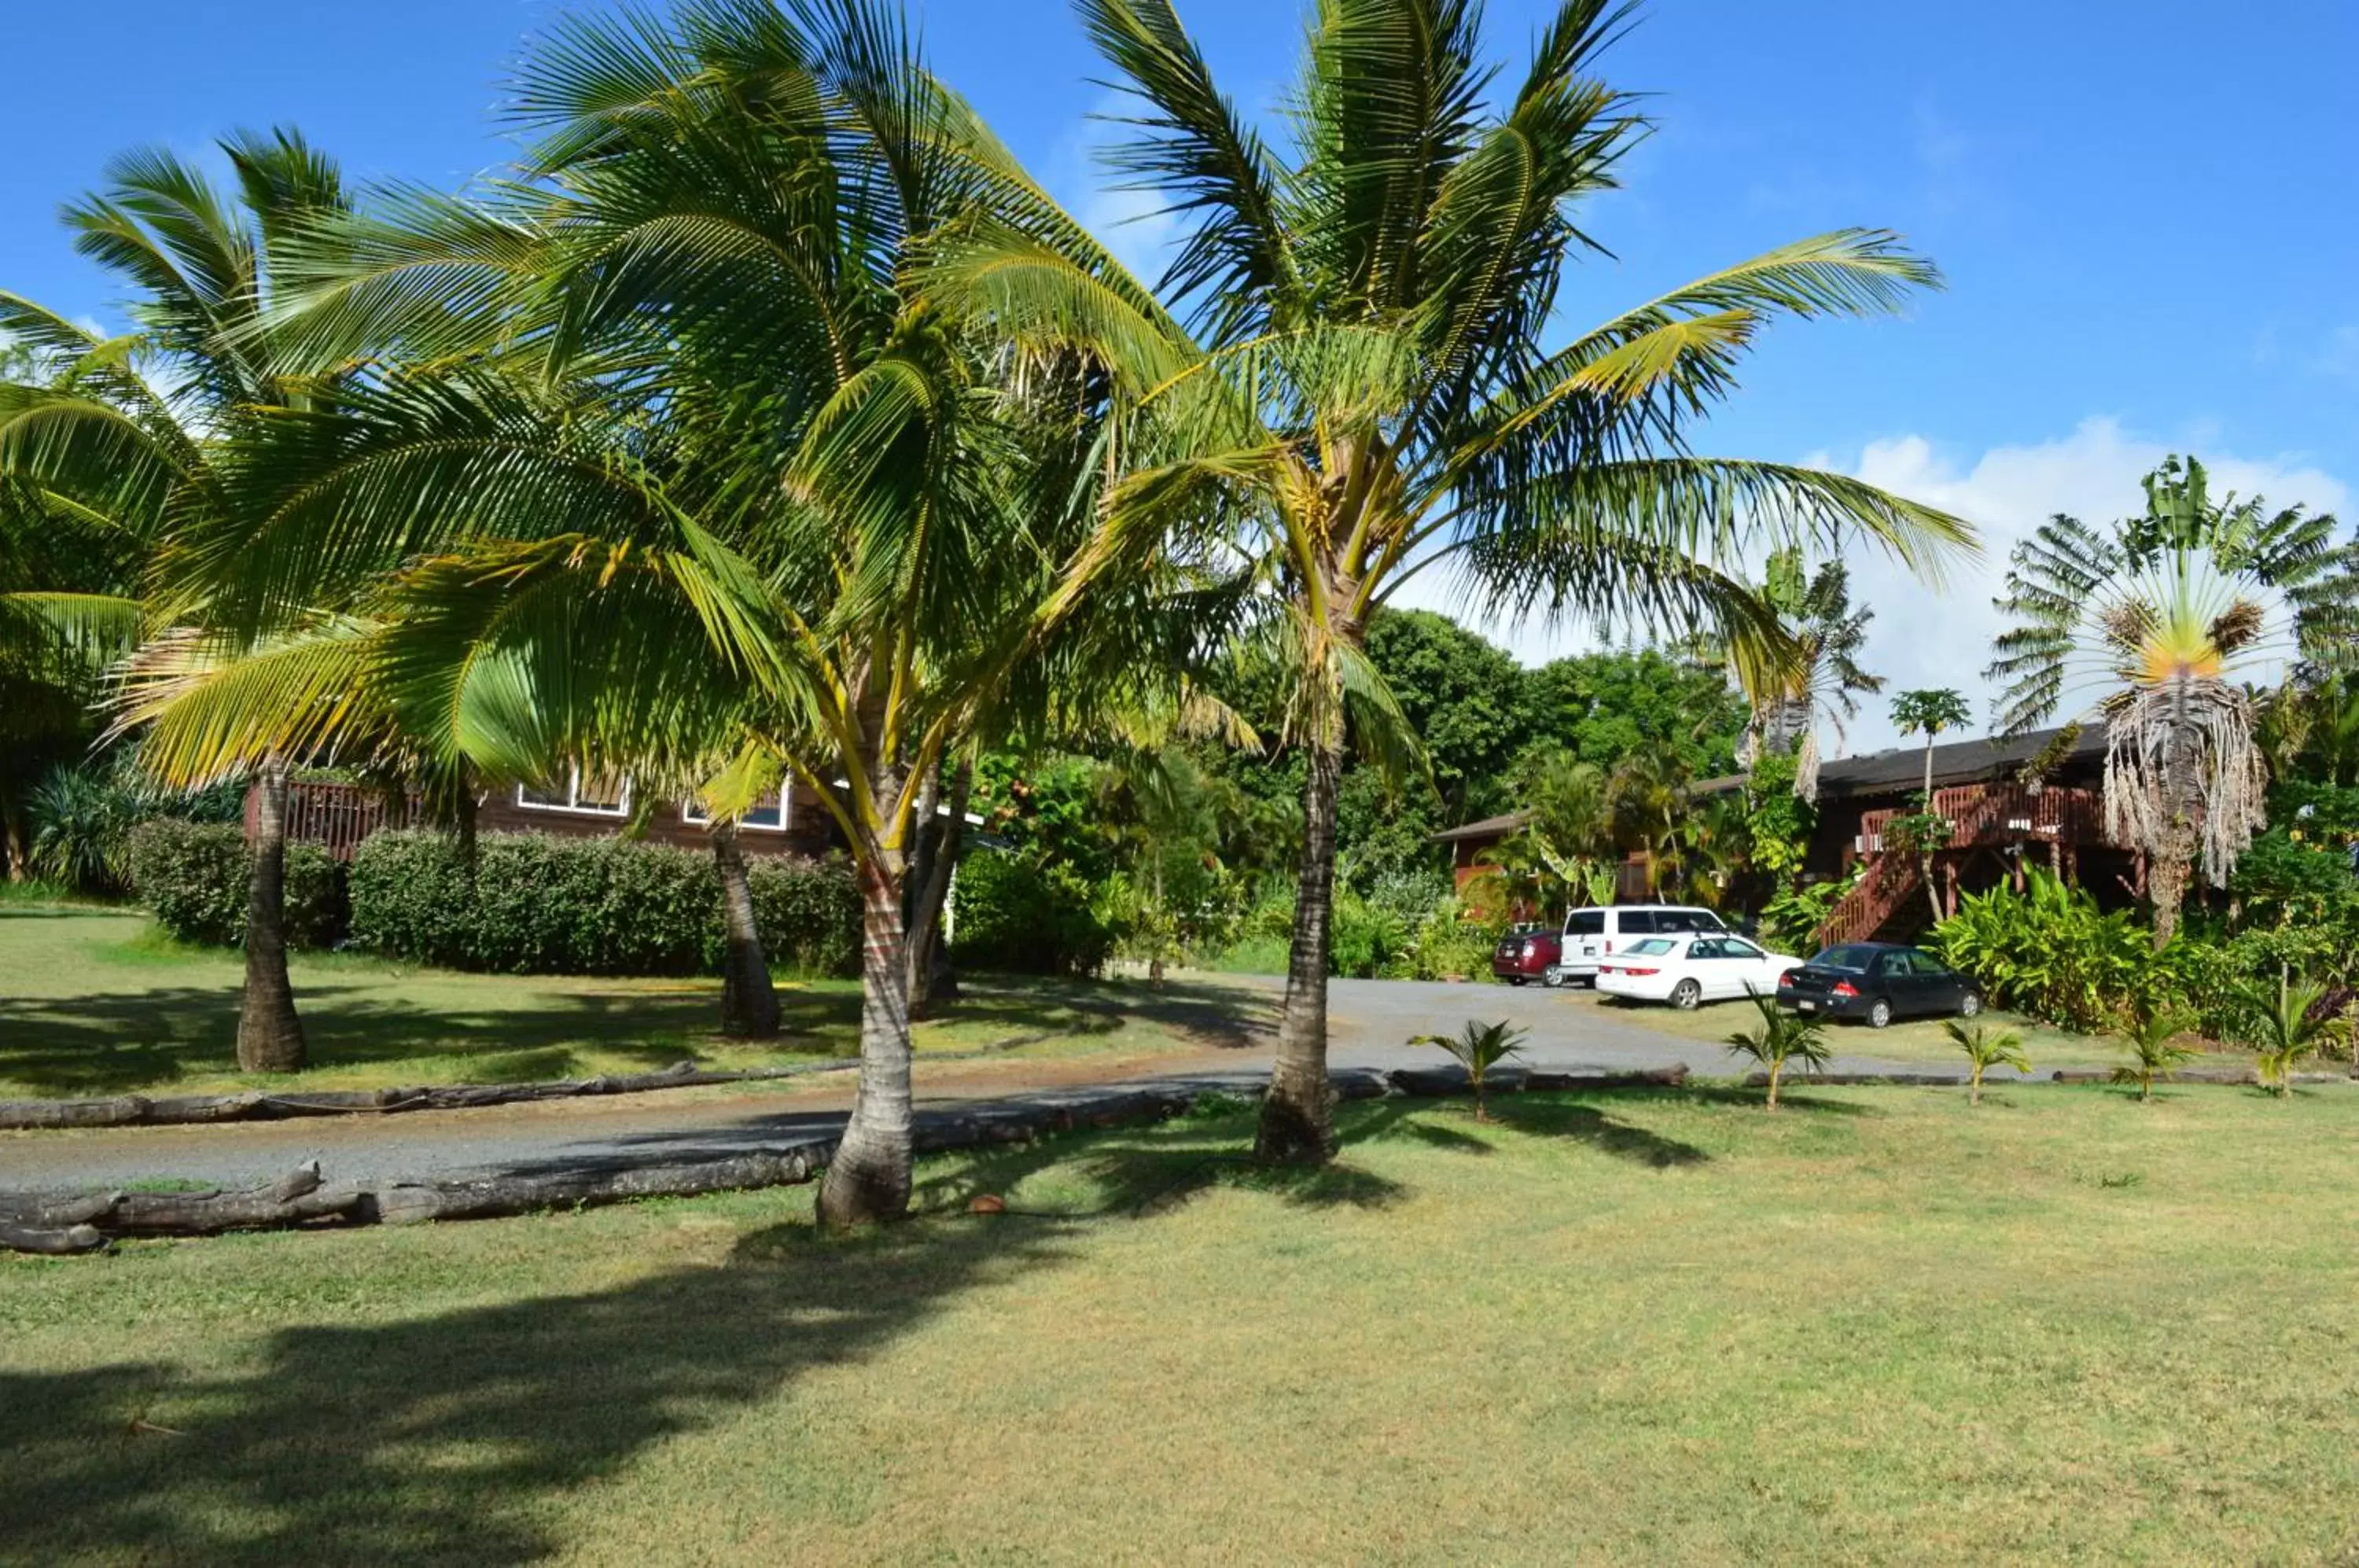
(579, 796)
(768, 815)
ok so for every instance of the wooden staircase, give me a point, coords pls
(1889, 902)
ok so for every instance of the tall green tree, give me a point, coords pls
(1929, 711)
(136, 443)
(2152, 620)
(1823, 683)
(1366, 390)
(694, 468)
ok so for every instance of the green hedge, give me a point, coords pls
(1030, 916)
(536, 904)
(195, 876)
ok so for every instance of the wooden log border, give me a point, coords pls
(303, 1199)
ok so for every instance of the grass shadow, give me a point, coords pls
(1538, 1115)
(453, 1438)
(1144, 1170)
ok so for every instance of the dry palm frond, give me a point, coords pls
(2237, 626)
(2186, 749)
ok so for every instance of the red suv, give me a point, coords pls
(1528, 952)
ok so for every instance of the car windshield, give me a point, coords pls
(1653, 947)
(1852, 957)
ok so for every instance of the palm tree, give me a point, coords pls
(1479, 1048)
(1928, 712)
(1985, 1048)
(1822, 681)
(1365, 394)
(2150, 1031)
(699, 467)
(2288, 1026)
(2154, 617)
(1781, 1040)
(139, 437)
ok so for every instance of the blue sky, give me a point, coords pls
(2144, 210)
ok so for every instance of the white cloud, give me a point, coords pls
(1925, 637)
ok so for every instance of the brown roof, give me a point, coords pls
(1489, 827)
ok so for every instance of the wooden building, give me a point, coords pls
(2002, 823)
(340, 816)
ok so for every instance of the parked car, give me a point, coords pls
(1590, 934)
(1688, 970)
(1878, 980)
(1526, 954)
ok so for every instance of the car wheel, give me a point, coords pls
(1553, 977)
(1879, 1013)
(1969, 1005)
(1686, 994)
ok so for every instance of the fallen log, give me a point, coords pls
(496, 1197)
(51, 1241)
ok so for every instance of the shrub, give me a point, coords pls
(1030, 915)
(1790, 921)
(83, 814)
(2049, 952)
(538, 904)
(195, 877)
(808, 916)
(1452, 940)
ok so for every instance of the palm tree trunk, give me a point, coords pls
(1776, 1071)
(1298, 1117)
(269, 1035)
(2174, 857)
(1925, 851)
(941, 842)
(869, 1177)
(749, 1003)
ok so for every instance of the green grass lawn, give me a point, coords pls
(94, 1001)
(1648, 1327)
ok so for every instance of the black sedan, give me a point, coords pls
(1878, 981)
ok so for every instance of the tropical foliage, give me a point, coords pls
(1780, 1039)
(1479, 1048)
(2049, 952)
(1985, 1048)
(1362, 391)
(2153, 619)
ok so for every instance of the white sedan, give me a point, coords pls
(1688, 970)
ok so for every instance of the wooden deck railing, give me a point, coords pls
(336, 816)
(1980, 816)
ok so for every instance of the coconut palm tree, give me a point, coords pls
(1823, 681)
(1778, 1041)
(1369, 386)
(2154, 618)
(135, 440)
(1985, 1048)
(697, 466)
(2286, 1026)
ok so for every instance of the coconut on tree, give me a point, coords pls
(2156, 619)
(1367, 386)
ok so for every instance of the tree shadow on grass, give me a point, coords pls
(1542, 1115)
(116, 1042)
(1144, 1171)
(450, 1438)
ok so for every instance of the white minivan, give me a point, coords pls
(1589, 934)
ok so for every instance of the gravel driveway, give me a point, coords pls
(1368, 1025)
